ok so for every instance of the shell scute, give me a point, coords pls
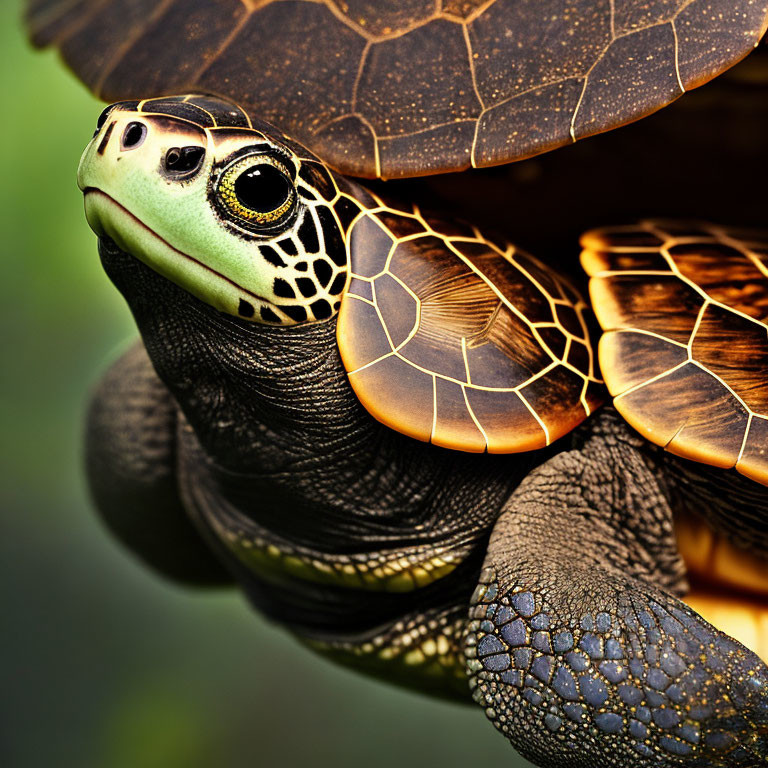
(414, 87)
(470, 323)
(685, 352)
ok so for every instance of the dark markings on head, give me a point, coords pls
(334, 244)
(205, 111)
(180, 109)
(268, 316)
(299, 314)
(338, 284)
(283, 289)
(308, 234)
(306, 286)
(245, 309)
(317, 177)
(323, 271)
(289, 247)
(272, 256)
(321, 309)
(105, 140)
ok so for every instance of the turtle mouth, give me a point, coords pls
(111, 220)
(729, 586)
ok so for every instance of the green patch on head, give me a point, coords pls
(232, 214)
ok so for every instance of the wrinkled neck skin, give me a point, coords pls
(284, 441)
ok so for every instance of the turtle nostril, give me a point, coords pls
(183, 161)
(133, 136)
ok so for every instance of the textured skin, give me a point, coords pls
(453, 339)
(407, 88)
(131, 459)
(447, 336)
(280, 451)
(580, 654)
(684, 308)
(304, 263)
(277, 448)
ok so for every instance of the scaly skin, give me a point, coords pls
(579, 649)
(617, 560)
(249, 440)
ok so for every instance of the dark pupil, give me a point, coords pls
(262, 188)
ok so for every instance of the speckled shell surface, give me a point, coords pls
(684, 308)
(408, 87)
(459, 341)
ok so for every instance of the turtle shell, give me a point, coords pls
(684, 308)
(456, 340)
(395, 88)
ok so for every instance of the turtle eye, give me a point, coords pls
(258, 190)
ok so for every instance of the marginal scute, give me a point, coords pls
(754, 460)
(661, 304)
(413, 87)
(685, 349)
(709, 428)
(453, 421)
(634, 75)
(449, 344)
(633, 357)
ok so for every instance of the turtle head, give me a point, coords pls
(232, 211)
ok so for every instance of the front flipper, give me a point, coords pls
(578, 650)
(131, 466)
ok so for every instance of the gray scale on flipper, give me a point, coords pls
(607, 682)
(666, 718)
(609, 722)
(564, 684)
(562, 641)
(592, 645)
(541, 642)
(613, 649)
(553, 722)
(542, 668)
(540, 621)
(593, 690)
(675, 746)
(522, 657)
(602, 622)
(613, 671)
(515, 633)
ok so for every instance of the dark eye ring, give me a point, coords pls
(257, 189)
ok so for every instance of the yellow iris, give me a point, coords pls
(227, 191)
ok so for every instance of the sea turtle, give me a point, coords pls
(374, 417)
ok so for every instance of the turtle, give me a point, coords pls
(412, 443)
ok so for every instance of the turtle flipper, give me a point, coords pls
(131, 468)
(578, 649)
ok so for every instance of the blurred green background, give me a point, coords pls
(104, 664)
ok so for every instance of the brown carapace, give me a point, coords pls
(684, 308)
(415, 86)
(460, 341)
